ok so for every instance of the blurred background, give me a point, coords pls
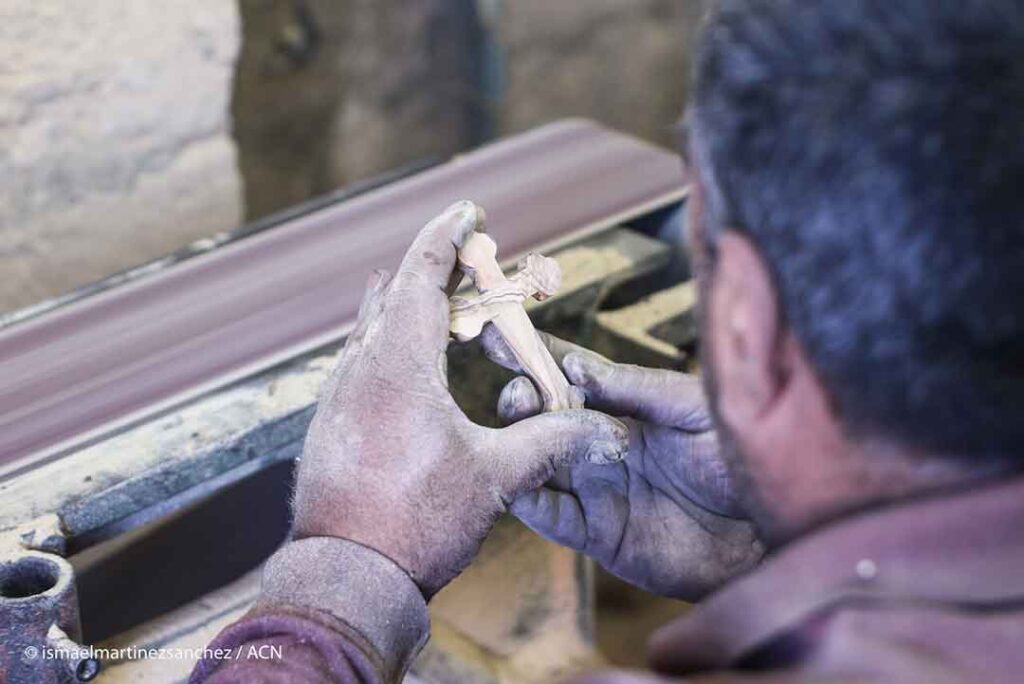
(130, 129)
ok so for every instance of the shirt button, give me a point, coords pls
(866, 569)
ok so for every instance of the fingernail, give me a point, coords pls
(468, 218)
(602, 452)
(376, 279)
(521, 390)
(513, 398)
(583, 370)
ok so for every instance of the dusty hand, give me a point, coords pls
(666, 517)
(391, 462)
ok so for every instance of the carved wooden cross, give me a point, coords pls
(501, 303)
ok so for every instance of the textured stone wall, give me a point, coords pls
(623, 62)
(411, 72)
(288, 87)
(115, 143)
(334, 91)
(329, 92)
(130, 128)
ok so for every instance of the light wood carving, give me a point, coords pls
(501, 304)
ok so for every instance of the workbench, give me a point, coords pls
(157, 475)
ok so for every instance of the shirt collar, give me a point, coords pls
(964, 549)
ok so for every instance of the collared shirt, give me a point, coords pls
(928, 591)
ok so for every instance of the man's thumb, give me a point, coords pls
(528, 452)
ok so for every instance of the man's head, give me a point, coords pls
(860, 231)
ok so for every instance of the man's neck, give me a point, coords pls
(873, 475)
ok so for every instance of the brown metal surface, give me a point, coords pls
(84, 369)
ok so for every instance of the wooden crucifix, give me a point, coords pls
(501, 303)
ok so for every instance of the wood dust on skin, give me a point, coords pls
(626, 616)
(244, 407)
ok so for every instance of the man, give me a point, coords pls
(857, 231)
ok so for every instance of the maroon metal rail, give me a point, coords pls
(86, 368)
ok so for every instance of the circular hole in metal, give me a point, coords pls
(87, 670)
(27, 577)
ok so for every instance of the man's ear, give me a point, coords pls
(745, 331)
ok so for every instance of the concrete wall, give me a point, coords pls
(115, 143)
(334, 91)
(129, 128)
(622, 62)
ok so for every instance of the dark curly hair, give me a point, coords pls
(873, 150)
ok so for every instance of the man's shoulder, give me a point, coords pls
(928, 586)
(875, 643)
(917, 642)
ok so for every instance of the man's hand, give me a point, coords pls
(391, 462)
(666, 518)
